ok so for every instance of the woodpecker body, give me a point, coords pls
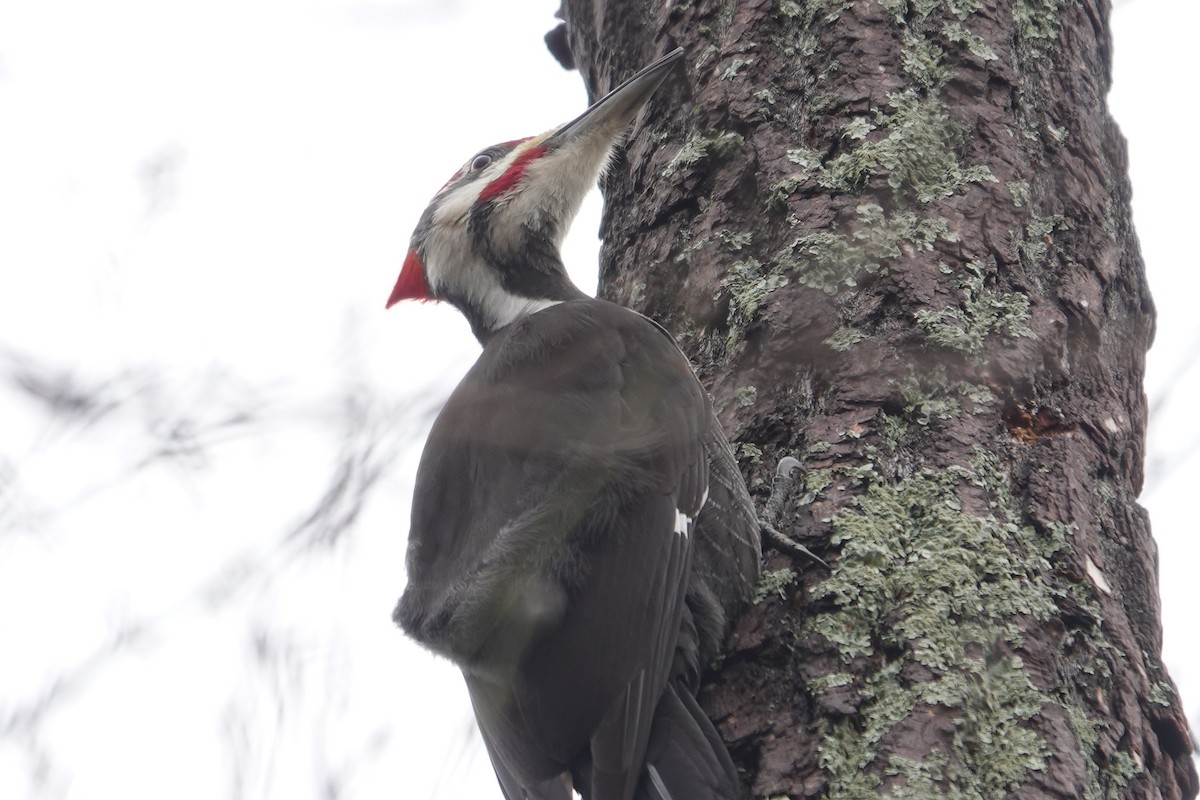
(580, 533)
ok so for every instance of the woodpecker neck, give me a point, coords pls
(510, 284)
(488, 242)
(500, 308)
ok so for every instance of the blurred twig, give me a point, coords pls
(147, 420)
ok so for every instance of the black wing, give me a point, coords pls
(550, 542)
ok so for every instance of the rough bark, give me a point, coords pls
(895, 238)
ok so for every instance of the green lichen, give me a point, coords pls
(857, 129)
(955, 32)
(1087, 730)
(918, 154)
(1039, 19)
(814, 482)
(1020, 193)
(1106, 777)
(930, 575)
(1107, 780)
(921, 778)
(745, 396)
(774, 582)
(765, 96)
(734, 240)
(725, 144)
(830, 261)
(706, 55)
(691, 152)
(748, 283)
(930, 396)
(810, 160)
(981, 312)
(810, 164)
(898, 9)
(820, 102)
(894, 432)
(825, 10)
(1119, 770)
(1161, 694)
(747, 452)
(921, 59)
(735, 67)
(688, 245)
(834, 680)
(923, 405)
(920, 578)
(845, 338)
(1038, 236)
(700, 147)
(779, 192)
(1059, 135)
(921, 9)
(817, 449)
(962, 8)
(637, 292)
(912, 142)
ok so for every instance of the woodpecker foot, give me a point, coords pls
(787, 545)
(781, 487)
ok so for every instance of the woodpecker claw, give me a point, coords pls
(786, 545)
(781, 487)
(787, 465)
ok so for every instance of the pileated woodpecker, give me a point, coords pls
(581, 535)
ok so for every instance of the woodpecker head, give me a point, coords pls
(489, 241)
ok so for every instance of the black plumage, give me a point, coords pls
(549, 558)
(581, 536)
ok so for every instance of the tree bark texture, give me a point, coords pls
(895, 238)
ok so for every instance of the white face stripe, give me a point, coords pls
(452, 265)
(447, 260)
(456, 206)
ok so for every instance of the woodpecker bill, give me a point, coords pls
(581, 536)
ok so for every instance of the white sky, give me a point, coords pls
(291, 147)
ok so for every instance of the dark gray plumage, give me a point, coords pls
(581, 535)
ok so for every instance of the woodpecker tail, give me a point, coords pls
(686, 759)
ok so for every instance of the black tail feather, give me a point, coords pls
(686, 759)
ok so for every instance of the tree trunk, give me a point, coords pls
(895, 238)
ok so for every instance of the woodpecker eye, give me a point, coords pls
(480, 161)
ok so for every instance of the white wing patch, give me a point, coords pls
(683, 522)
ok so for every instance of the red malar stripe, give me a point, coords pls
(459, 174)
(411, 284)
(512, 175)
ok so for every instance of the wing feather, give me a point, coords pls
(544, 555)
